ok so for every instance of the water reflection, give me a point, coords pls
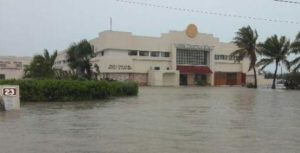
(9, 115)
(166, 120)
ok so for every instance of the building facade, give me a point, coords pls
(175, 58)
(12, 67)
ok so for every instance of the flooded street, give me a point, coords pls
(160, 120)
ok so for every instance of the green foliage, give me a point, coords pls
(79, 56)
(202, 82)
(71, 90)
(295, 49)
(250, 85)
(246, 39)
(41, 66)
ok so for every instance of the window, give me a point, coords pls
(144, 53)
(2, 65)
(222, 57)
(156, 68)
(132, 53)
(217, 57)
(165, 54)
(192, 57)
(225, 57)
(155, 54)
(2, 76)
(102, 53)
(18, 64)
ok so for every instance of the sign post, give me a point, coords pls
(10, 97)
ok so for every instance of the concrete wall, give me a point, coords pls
(227, 67)
(163, 78)
(13, 67)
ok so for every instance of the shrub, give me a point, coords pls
(250, 85)
(292, 81)
(202, 82)
(71, 90)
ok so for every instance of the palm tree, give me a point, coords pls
(41, 66)
(276, 50)
(79, 58)
(295, 48)
(246, 39)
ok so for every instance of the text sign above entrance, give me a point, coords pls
(119, 67)
(194, 47)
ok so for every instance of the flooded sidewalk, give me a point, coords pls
(160, 120)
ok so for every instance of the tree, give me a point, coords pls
(246, 39)
(295, 48)
(79, 56)
(276, 50)
(41, 66)
(97, 73)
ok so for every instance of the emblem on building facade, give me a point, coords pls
(191, 31)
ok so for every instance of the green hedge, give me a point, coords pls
(71, 90)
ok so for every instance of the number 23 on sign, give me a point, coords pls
(9, 91)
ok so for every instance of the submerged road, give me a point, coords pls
(160, 120)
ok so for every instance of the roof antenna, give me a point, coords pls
(110, 23)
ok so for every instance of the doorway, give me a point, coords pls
(183, 79)
(2, 76)
(231, 79)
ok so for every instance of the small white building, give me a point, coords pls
(12, 67)
(175, 58)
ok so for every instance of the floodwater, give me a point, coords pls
(160, 120)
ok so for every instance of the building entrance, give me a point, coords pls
(183, 79)
(231, 79)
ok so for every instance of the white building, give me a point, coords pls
(12, 67)
(175, 58)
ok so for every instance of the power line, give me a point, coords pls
(287, 1)
(206, 12)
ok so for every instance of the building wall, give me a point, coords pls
(227, 67)
(163, 78)
(13, 67)
(61, 61)
(112, 49)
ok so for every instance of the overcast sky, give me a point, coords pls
(29, 26)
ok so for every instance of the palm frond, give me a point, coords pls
(296, 68)
(287, 64)
(240, 53)
(295, 46)
(53, 57)
(264, 62)
(295, 61)
(46, 54)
